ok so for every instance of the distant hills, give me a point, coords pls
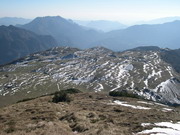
(160, 20)
(13, 21)
(16, 43)
(163, 35)
(102, 25)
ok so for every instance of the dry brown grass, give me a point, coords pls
(86, 114)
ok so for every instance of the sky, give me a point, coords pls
(117, 10)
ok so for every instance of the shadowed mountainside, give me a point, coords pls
(16, 43)
(172, 57)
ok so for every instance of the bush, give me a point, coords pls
(61, 96)
(123, 93)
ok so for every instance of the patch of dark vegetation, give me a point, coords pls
(90, 96)
(24, 100)
(117, 110)
(123, 93)
(62, 96)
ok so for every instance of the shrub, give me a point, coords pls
(61, 96)
(123, 93)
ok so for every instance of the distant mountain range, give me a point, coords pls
(102, 25)
(16, 43)
(68, 33)
(13, 21)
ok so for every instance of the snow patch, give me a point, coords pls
(167, 109)
(117, 102)
(99, 87)
(162, 128)
(145, 103)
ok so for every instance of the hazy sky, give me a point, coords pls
(121, 10)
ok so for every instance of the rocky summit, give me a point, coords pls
(144, 72)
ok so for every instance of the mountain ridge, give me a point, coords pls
(98, 69)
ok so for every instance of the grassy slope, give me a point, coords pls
(86, 114)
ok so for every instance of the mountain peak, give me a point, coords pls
(49, 17)
(66, 32)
